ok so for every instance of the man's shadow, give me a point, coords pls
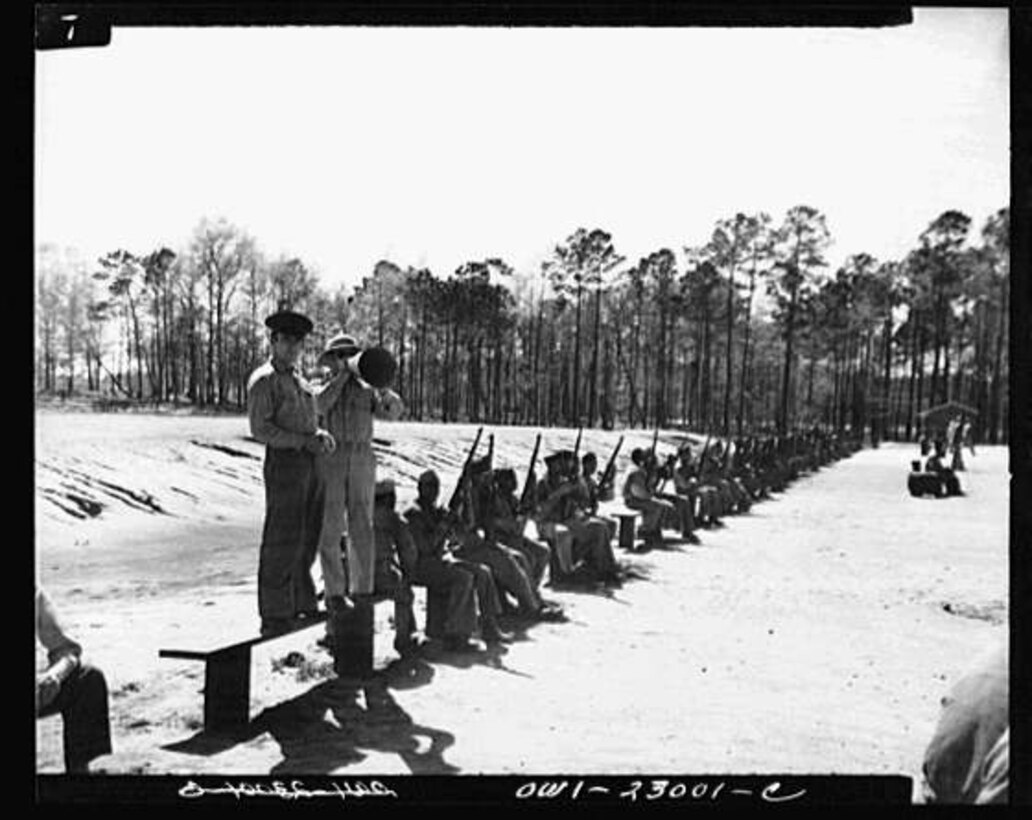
(334, 724)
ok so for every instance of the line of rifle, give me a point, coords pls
(525, 495)
(609, 472)
(705, 449)
(456, 499)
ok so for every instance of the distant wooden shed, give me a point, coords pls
(938, 418)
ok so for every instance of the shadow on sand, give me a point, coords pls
(336, 723)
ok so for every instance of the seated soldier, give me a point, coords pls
(67, 685)
(482, 494)
(704, 497)
(396, 562)
(509, 568)
(682, 516)
(713, 475)
(560, 495)
(471, 588)
(593, 491)
(637, 495)
(506, 521)
(936, 465)
(686, 483)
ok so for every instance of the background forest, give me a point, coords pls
(750, 330)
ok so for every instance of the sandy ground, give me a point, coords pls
(816, 634)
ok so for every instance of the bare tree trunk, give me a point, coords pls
(998, 418)
(911, 413)
(787, 373)
(593, 397)
(920, 378)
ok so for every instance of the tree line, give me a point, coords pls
(749, 330)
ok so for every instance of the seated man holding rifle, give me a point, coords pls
(560, 498)
(437, 533)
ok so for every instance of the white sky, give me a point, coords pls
(438, 146)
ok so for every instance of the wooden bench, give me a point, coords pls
(628, 520)
(227, 668)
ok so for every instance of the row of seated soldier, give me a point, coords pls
(486, 556)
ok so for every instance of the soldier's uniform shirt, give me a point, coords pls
(281, 406)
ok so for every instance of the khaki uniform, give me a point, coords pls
(636, 496)
(396, 560)
(348, 475)
(472, 596)
(590, 536)
(282, 413)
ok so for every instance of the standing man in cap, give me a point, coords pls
(347, 406)
(282, 412)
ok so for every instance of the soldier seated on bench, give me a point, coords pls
(593, 490)
(637, 495)
(437, 533)
(396, 561)
(561, 499)
(506, 521)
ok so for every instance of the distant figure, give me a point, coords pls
(78, 691)
(967, 435)
(968, 756)
(935, 464)
(956, 443)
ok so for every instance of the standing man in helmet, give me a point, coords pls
(347, 407)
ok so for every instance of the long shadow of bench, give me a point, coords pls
(336, 723)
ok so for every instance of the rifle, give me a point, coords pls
(726, 469)
(705, 449)
(607, 473)
(456, 498)
(525, 495)
(525, 503)
(576, 447)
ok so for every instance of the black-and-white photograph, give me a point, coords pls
(524, 400)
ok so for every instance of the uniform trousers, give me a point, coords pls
(653, 511)
(349, 477)
(591, 543)
(450, 577)
(293, 517)
(388, 579)
(83, 704)
(536, 553)
(504, 569)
